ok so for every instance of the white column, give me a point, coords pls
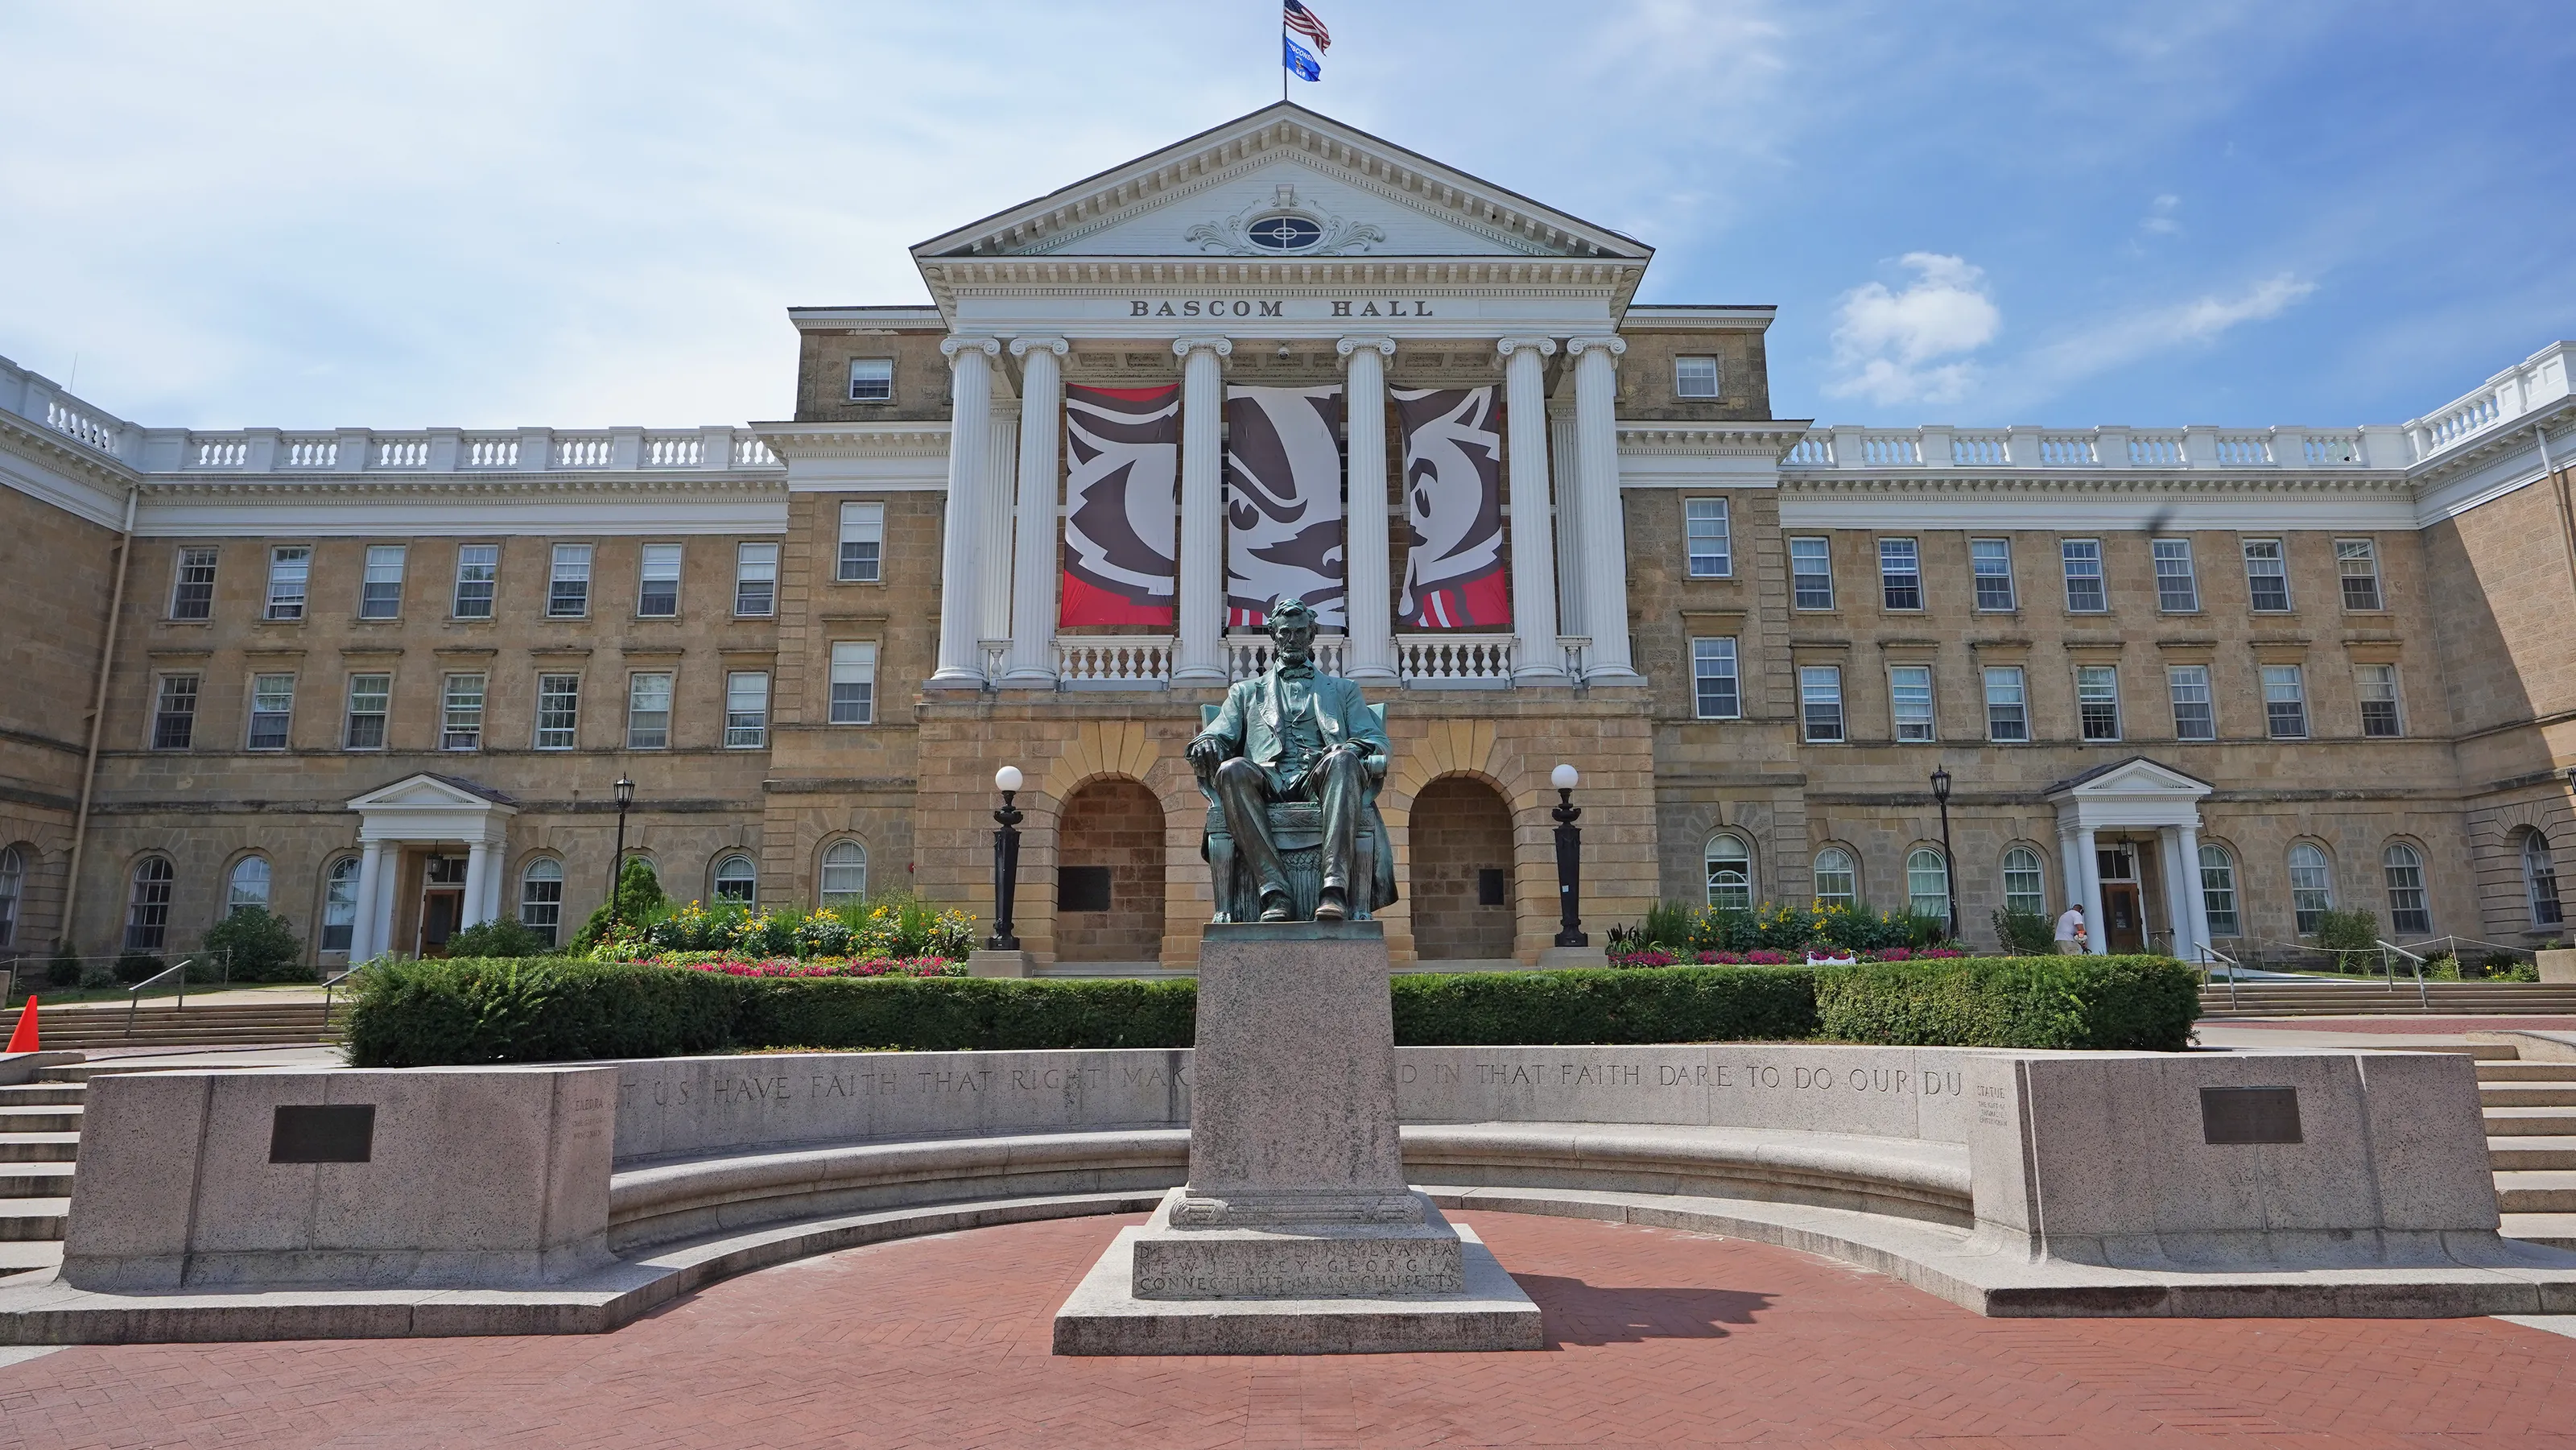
(2187, 842)
(993, 515)
(1604, 577)
(1033, 546)
(2177, 905)
(363, 934)
(1372, 600)
(1533, 533)
(495, 880)
(380, 915)
(2089, 858)
(1200, 657)
(970, 391)
(478, 880)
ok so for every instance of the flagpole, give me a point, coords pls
(1283, 53)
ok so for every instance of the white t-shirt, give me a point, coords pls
(2069, 924)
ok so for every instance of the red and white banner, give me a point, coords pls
(1453, 499)
(1122, 505)
(1283, 477)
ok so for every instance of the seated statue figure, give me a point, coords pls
(1293, 734)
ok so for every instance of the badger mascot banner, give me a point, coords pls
(1122, 505)
(1453, 493)
(1283, 477)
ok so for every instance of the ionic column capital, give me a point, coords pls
(1023, 346)
(1543, 346)
(1578, 346)
(953, 346)
(1382, 346)
(1182, 347)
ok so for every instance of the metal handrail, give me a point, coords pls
(331, 984)
(2423, 996)
(134, 994)
(2207, 953)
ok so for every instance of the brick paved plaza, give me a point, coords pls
(1655, 1338)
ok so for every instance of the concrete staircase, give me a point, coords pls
(2531, 1139)
(39, 1139)
(2329, 997)
(213, 1022)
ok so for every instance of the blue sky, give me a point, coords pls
(2171, 211)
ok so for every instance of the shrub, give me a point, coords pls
(2026, 933)
(261, 947)
(2350, 935)
(638, 900)
(1668, 924)
(2146, 1003)
(63, 971)
(136, 967)
(1596, 1005)
(499, 937)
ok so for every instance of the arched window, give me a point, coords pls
(1730, 872)
(13, 886)
(2311, 887)
(2218, 890)
(1837, 879)
(248, 886)
(736, 880)
(2025, 881)
(2540, 881)
(340, 904)
(147, 910)
(541, 897)
(2408, 911)
(1927, 883)
(845, 874)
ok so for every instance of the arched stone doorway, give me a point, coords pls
(1109, 874)
(1462, 892)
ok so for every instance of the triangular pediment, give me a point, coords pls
(1283, 183)
(426, 791)
(2132, 777)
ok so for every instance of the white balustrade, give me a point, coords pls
(1813, 449)
(222, 453)
(1891, 450)
(2155, 450)
(2332, 448)
(2474, 416)
(308, 451)
(2243, 450)
(1454, 661)
(581, 450)
(1247, 655)
(1980, 450)
(673, 450)
(491, 453)
(78, 426)
(1113, 661)
(2066, 450)
(750, 451)
(402, 453)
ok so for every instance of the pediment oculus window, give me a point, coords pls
(1284, 232)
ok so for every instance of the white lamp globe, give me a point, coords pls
(1563, 777)
(1007, 778)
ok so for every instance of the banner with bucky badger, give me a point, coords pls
(1122, 505)
(1283, 476)
(1453, 498)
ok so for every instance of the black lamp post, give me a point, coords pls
(1949, 863)
(1006, 861)
(617, 860)
(1569, 860)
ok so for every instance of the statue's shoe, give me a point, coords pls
(1330, 905)
(1275, 908)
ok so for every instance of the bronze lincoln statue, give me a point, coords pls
(1293, 734)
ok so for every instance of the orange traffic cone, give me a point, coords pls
(24, 1039)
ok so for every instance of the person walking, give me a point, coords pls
(2070, 931)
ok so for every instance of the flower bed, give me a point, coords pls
(1666, 957)
(734, 966)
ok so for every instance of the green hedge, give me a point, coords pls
(415, 1014)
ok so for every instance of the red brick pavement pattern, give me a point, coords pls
(1656, 1338)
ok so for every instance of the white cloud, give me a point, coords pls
(1889, 346)
(2160, 216)
(2130, 336)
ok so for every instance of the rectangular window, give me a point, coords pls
(2267, 576)
(854, 683)
(2285, 702)
(558, 711)
(1811, 573)
(2193, 717)
(2084, 594)
(371, 699)
(1712, 554)
(862, 542)
(871, 379)
(2097, 701)
(1909, 697)
(2378, 688)
(746, 710)
(568, 593)
(657, 591)
(2007, 705)
(289, 570)
(478, 569)
(1713, 678)
(272, 709)
(1991, 559)
(755, 580)
(2357, 560)
(460, 725)
(192, 594)
(174, 713)
(380, 593)
(648, 712)
(1900, 573)
(1695, 377)
(1820, 703)
(2177, 586)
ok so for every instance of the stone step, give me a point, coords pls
(2527, 1072)
(29, 1256)
(39, 1147)
(2536, 1151)
(2529, 1122)
(2557, 1230)
(40, 1118)
(2527, 1095)
(197, 1037)
(30, 1093)
(2536, 1192)
(22, 1219)
(36, 1180)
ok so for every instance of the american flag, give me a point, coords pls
(1308, 24)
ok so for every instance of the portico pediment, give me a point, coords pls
(2135, 776)
(429, 807)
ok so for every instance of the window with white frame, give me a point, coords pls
(648, 712)
(1710, 545)
(147, 904)
(541, 898)
(1730, 872)
(478, 575)
(13, 889)
(736, 880)
(460, 720)
(1820, 702)
(2097, 701)
(1927, 883)
(2083, 562)
(290, 572)
(558, 711)
(1900, 574)
(1695, 377)
(2540, 881)
(657, 587)
(845, 875)
(340, 904)
(370, 702)
(1811, 573)
(1713, 679)
(755, 580)
(380, 590)
(2194, 716)
(1837, 878)
(272, 710)
(2177, 584)
(192, 591)
(854, 683)
(1990, 560)
(862, 543)
(2218, 890)
(2025, 881)
(2267, 576)
(174, 713)
(2007, 704)
(1909, 698)
(2410, 909)
(872, 380)
(248, 886)
(2311, 887)
(2377, 686)
(2357, 561)
(746, 710)
(568, 587)
(2285, 702)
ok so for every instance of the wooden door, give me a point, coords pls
(440, 911)
(2124, 922)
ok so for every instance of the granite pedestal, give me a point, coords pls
(1296, 1233)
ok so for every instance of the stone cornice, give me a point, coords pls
(1726, 440)
(858, 440)
(2084, 482)
(951, 278)
(377, 487)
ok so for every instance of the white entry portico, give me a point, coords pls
(2134, 796)
(425, 810)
